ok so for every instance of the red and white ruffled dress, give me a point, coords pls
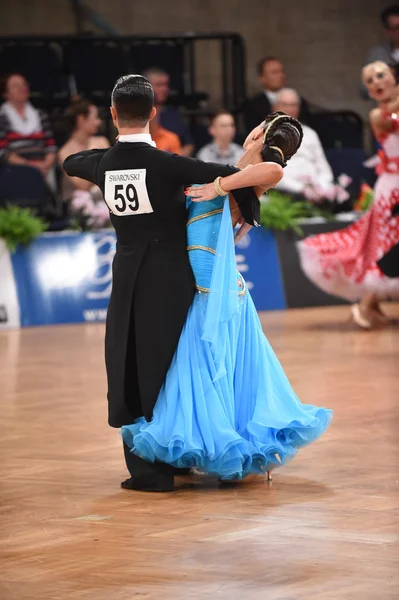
(344, 263)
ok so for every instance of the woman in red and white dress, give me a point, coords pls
(352, 263)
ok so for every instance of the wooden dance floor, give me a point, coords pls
(325, 528)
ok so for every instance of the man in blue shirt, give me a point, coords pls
(222, 150)
(170, 118)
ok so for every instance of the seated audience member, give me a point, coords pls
(387, 52)
(309, 166)
(169, 117)
(272, 79)
(26, 137)
(222, 150)
(82, 196)
(164, 140)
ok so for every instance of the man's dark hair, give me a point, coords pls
(133, 100)
(391, 11)
(261, 63)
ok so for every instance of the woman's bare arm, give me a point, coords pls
(252, 157)
(263, 175)
(393, 105)
(78, 184)
(379, 123)
(381, 120)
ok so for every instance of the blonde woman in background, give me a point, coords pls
(353, 263)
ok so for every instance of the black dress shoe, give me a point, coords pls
(182, 472)
(162, 483)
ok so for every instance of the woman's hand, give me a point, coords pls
(254, 139)
(201, 193)
(242, 231)
(238, 219)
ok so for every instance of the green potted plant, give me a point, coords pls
(280, 212)
(19, 226)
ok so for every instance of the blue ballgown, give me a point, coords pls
(226, 406)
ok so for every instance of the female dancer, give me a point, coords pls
(357, 262)
(226, 406)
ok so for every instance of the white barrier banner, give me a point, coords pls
(9, 306)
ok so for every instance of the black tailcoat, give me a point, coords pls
(153, 285)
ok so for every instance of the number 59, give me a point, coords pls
(131, 199)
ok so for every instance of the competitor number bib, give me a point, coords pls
(125, 192)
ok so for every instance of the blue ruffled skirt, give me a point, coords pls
(226, 407)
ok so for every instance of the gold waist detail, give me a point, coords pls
(205, 290)
(205, 216)
(205, 248)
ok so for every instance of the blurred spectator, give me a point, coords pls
(309, 166)
(165, 140)
(83, 197)
(170, 118)
(389, 51)
(272, 78)
(222, 150)
(26, 137)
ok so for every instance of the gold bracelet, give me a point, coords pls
(279, 151)
(218, 189)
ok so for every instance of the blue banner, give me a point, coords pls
(258, 261)
(65, 278)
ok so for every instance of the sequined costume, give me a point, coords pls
(363, 257)
(226, 406)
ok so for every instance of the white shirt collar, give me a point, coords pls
(137, 137)
(272, 97)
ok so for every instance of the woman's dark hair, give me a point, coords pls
(282, 138)
(133, 100)
(390, 11)
(79, 107)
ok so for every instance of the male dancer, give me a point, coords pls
(153, 286)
